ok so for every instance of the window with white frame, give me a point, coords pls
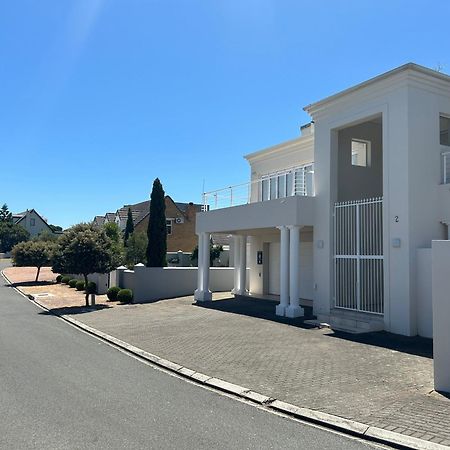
(169, 226)
(444, 126)
(296, 181)
(360, 153)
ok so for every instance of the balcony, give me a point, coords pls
(281, 198)
(295, 181)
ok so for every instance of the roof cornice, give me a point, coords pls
(301, 141)
(432, 76)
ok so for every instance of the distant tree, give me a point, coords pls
(157, 229)
(136, 249)
(112, 230)
(11, 234)
(5, 214)
(84, 249)
(33, 254)
(129, 227)
(214, 252)
(46, 236)
(56, 228)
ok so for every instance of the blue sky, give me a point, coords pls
(99, 97)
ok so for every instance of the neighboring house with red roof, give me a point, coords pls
(180, 219)
(32, 221)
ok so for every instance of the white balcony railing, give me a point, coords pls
(286, 183)
(445, 167)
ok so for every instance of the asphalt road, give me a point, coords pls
(63, 389)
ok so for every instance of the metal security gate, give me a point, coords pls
(358, 256)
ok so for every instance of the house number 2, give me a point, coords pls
(396, 219)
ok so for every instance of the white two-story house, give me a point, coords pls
(334, 218)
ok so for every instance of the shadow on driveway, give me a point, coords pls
(265, 309)
(73, 310)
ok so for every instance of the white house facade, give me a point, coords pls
(335, 219)
(32, 222)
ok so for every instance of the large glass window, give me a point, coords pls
(297, 181)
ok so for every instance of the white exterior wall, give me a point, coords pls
(289, 154)
(424, 297)
(38, 227)
(259, 274)
(441, 314)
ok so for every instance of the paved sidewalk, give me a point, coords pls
(378, 379)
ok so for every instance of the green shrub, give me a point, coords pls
(125, 295)
(65, 279)
(112, 293)
(59, 278)
(79, 285)
(73, 282)
(91, 288)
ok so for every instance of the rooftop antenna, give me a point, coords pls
(439, 67)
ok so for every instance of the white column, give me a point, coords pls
(203, 294)
(280, 309)
(242, 265)
(294, 309)
(237, 261)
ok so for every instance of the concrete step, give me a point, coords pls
(355, 325)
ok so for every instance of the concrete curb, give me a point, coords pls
(330, 421)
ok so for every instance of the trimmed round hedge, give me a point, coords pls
(125, 295)
(73, 282)
(59, 278)
(79, 285)
(65, 279)
(112, 293)
(91, 288)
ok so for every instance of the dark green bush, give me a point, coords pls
(125, 295)
(112, 293)
(91, 288)
(79, 285)
(73, 282)
(59, 278)
(65, 279)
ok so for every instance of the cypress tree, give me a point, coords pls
(157, 230)
(129, 227)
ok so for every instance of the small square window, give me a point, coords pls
(360, 153)
(32, 222)
(444, 126)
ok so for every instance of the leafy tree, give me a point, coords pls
(46, 236)
(11, 234)
(56, 228)
(214, 252)
(112, 230)
(136, 249)
(84, 249)
(157, 230)
(129, 227)
(33, 254)
(5, 214)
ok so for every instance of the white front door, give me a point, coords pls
(274, 268)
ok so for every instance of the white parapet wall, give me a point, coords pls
(441, 314)
(155, 283)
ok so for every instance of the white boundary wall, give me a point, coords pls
(423, 289)
(155, 283)
(441, 314)
(100, 279)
